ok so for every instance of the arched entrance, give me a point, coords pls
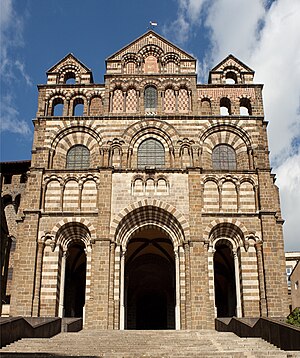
(150, 281)
(75, 281)
(150, 239)
(224, 277)
(73, 240)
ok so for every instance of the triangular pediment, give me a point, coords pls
(68, 61)
(232, 61)
(66, 66)
(150, 38)
(233, 68)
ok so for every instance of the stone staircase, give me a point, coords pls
(137, 344)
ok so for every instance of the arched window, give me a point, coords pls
(78, 107)
(151, 153)
(78, 157)
(231, 78)
(245, 107)
(223, 157)
(225, 107)
(150, 98)
(70, 78)
(130, 67)
(57, 107)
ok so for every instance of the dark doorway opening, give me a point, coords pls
(224, 274)
(150, 282)
(75, 281)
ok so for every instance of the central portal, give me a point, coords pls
(150, 281)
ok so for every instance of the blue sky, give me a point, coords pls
(264, 34)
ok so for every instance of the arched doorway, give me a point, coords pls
(75, 280)
(150, 281)
(224, 277)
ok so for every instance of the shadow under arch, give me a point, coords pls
(226, 240)
(150, 237)
(73, 239)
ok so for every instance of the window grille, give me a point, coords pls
(223, 157)
(151, 153)
(78, 157)
(150, 98)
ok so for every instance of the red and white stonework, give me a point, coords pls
(150, 201)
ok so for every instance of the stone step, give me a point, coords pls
(137, 344)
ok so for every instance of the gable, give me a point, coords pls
(150, 44)
(69, 65)
(150, 38)
(231, 67)
(232, 61)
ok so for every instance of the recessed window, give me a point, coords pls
(70, 78)
(225, 107)
(223, 157)
(78, 157)
(150, 98)
(78, 107)
(245, 107)
(151, 153)
(231, 78)
(57, 107)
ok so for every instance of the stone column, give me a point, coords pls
(187, 286)
(62, 284)
(211, 253)
(237, 284)
(38, 279)
(256, 197)
(261, 280)
(238, 198)
(111, 286)
(122, 287)
(177, 288)
(220, 197)
(117, 287)
(88, 106)
(182, 281)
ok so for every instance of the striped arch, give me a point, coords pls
(58, 134)
(232, 136)
(150, 82)
(138, 129)
(72, 232)
(75, 136)
(59, 92)
(227, 227)
(69, 67)
(96, 93)
(152, 49)
(79, 92)
(235, 132)
(51, 97)
(76, 228)
(141, 131)
(150, 213)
